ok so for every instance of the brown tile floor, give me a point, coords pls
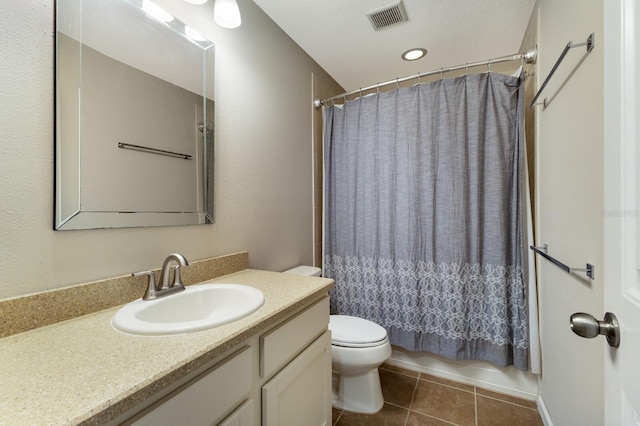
(418, 399)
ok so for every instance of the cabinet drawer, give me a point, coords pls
(207, 398)
(282, 344)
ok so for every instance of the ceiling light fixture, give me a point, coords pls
(196, 1)
(226, 13)
(414, 54)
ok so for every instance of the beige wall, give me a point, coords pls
(569, 207)
(263, 157)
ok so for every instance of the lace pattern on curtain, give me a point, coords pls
(454, 301)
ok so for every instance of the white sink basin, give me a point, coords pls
(198, 307)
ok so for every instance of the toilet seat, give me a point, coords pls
(354, 332)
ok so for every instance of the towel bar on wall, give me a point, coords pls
(542, 251)
(590, 43)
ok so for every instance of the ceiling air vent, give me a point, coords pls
(388, 15)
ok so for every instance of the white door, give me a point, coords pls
(622, 208)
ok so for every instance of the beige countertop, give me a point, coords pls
(84, 371)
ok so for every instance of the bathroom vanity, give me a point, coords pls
(281, 376)
(272, 367)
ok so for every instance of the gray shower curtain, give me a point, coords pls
(423, 216)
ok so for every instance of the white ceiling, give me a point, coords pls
(339, 36)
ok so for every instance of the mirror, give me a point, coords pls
(134, 117)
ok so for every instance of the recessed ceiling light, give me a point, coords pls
(414, 54)
(196, 1)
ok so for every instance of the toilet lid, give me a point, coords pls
(356, 332)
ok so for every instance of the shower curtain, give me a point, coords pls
(424, 196)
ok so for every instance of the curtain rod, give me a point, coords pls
(528, 57)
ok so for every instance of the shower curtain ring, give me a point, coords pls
(378, 88)
(466, 68)
(397, 83)
(419, 77)
(441, 73)
(361, 92)
(489, 65)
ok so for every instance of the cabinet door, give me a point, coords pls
(243, 416)
(300, 394)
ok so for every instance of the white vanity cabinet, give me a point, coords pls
(280, 376)
(300, 393)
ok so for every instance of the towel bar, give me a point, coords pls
(153, 150)
(590, 43)
(542, 251)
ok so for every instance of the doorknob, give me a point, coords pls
(586, 325)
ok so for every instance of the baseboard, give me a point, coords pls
(544, 413)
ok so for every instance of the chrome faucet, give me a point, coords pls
(165, 288)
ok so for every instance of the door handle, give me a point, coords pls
(585, 325)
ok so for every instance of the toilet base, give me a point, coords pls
(358, 393)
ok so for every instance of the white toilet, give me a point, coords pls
(358, 348)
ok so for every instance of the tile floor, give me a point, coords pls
(415, 399)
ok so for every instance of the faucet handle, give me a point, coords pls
(150, 293)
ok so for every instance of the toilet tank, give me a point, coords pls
(310, 271)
